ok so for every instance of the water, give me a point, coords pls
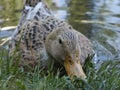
(99, 20)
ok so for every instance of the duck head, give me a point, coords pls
(63, 46)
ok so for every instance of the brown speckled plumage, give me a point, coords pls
(33, 32)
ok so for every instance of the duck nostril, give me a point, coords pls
(70, 62)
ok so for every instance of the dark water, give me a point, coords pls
(99, 20)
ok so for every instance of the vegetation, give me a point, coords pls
(15, 78)
(107, 77)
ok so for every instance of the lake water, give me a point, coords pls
(99, 20)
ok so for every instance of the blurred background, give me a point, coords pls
(99, 20)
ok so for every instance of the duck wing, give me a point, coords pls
(28, 38)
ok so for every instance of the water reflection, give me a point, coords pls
(108, 10)
(60, 13)
(97, 19)
(9, 13)
(60, 3)
(107, 34)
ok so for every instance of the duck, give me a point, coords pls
(40, 36)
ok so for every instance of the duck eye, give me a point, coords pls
(60, 41)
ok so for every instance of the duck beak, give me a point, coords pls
(73, 67)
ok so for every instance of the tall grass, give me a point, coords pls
(107, 77)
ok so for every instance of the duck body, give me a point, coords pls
(41, 35)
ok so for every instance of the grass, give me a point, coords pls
(107, 77)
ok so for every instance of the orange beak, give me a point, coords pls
(73, 67)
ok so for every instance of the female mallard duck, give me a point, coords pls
(40, 35)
